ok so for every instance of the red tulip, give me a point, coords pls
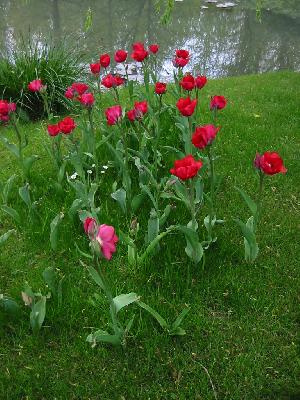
(120, 56)
(179, 62)
(270, 163)
(104, 60)
(204, 135)
(131, 115)
(138, 46)
(95, 68)
(139, 55)
(141, 108)
(67, 125)
(186, 168)
(200, 81)
(113, 114)
(187, 82)
(186, 106)
(36, 86)
(5, 109)
(160, 88)
(79, 88)
(90, 226)
(183, 54)
(218, 103)
(110, 81)
(154, 48)
(53, 130)
(69, 93)
(87, 99)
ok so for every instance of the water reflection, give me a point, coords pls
(223, 42)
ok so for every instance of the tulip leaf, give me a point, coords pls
(126, 239)
(75, 207)
(5, 236)
(97, 278)
(137, 201)
(164, 217)
(28, 162)
(120, 196)
(153, 227)
(8, 305)
(6, 189)
(180, 318)
(194, 248)
(250, 203)
(37, 315)
(12, 213)
(251, 247)
(54, 230)
(162, 322)
(10, 146)
(123, 300)
(103, 336)
(25, 195)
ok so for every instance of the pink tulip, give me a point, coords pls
(107, 239)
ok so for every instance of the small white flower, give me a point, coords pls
(74, 176)
(89, 171)
(105, 167)
(102, 172)
(94, 165)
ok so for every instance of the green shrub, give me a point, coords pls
(56, 65)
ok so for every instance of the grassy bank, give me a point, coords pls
(241, 340)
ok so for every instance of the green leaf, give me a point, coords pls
(137, 201)
(5, 236)
(123, 300)
(162, 322)
(250, 203)
(12, 213)
(129, 324)
(86, 255)
(7, 188)
(37, 315)
(61, 172)
(164, 217)
(25, 195)
(54, 230)
(120, 197)
(251, 247)
(50, 279)
(76, 205)
(146, 190)
(103, 336)
(126, 239)
(91, 195)
(28, 162)
(153, 226)
(180, 318)
(9, 305)
(194, 248)
(177, 332)
(97, 278)
(10, 146)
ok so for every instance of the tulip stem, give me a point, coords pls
(115, 322)
(212, 192)
(191, 190)
(93, 141)
(259, 200)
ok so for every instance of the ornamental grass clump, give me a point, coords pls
(56, 65)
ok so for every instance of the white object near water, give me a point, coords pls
(227, 4)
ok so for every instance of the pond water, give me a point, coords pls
(223, 41)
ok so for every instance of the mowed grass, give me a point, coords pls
(242, 330)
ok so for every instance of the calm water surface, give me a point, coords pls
(223, 41)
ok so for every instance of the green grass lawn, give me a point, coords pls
(242, 330)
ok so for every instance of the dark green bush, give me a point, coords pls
(56, 65)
